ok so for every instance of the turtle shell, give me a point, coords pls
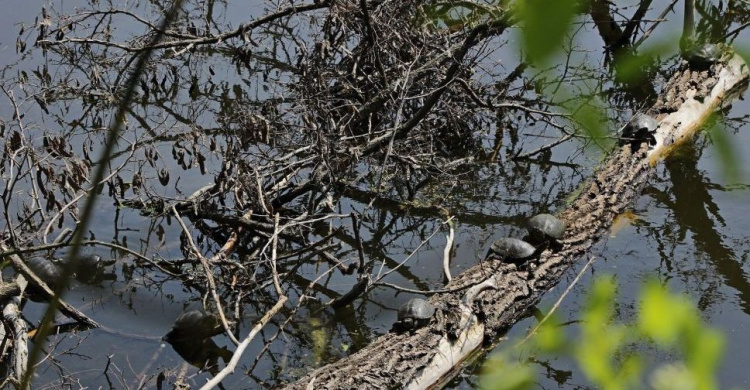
(641, 127)
(644, 122)
(544, 227)
(703, 55)
(47, 270)
(512, 249)
(194, 324)
(91, 268)
(415, 313)
(90, 260)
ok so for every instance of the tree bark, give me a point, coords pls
(490, 297)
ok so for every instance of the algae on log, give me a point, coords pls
(490, 297)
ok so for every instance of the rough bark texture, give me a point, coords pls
(17, 326)
(408, 360)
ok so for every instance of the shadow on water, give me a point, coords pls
(695, 211)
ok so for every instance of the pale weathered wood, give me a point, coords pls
(16, 324)
(8, 291)
(18, 337)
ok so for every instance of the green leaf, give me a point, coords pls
(602, 348)
(661, 316)
(589, 113)
(499, 373)
(550, 337)
(703, 355)
(673, 376)
(545, 24)
(599, 305)
(641, 66)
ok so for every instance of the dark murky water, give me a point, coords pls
(690, 231)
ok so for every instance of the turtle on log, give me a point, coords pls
(512, 249)
(641, 128)
(414, 314)
(702, 55)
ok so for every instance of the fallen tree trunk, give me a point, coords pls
(490, 297)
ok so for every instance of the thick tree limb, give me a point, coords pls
(12, 317)
(16, 325)
(8, 291)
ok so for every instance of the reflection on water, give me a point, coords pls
(696, 212)
(191, 337)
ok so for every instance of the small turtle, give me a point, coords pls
(545, 228)
(194, 324)
(702, 56)
(191, 338)
(91, 269)
(414, 314)
(641, 128)
(47, 270)
(90, 260)
(512, 249)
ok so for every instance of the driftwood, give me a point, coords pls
(9, 290)
(19, 333)
(490, 297)
(14, 332)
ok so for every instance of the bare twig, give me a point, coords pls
(243, 345)
(562, 139)
(358, 289)
(78, 197)
(275, 242)
(209, 277)
(447, 250)
(363, 269)
(558, 302)
(88, 208)
(660, 19)
(161, 30)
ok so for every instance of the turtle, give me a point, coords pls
(545, 228)
(414, 314)
(640, 128)
(88, 270)
(194, 324)
(703, 55)
(90, 260)
(91, 269)
(191, 338)
(49, 271)
(512, 249)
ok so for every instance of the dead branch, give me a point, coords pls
(243, 345)
(209, 277)
(19, 333)
(447, 250)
